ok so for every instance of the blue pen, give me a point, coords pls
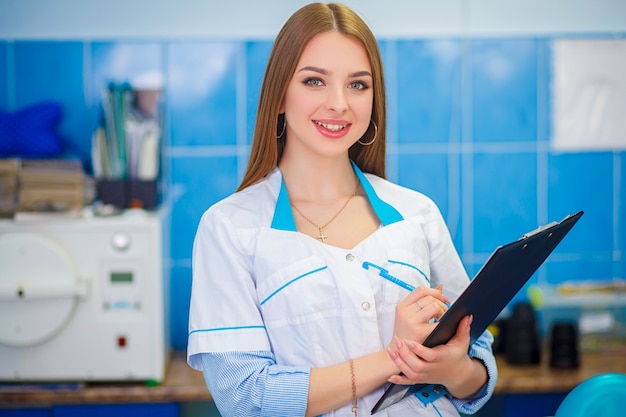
(385, 274)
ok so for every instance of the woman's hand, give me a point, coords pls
(448, 365)
(415, 314)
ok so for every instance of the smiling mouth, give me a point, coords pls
(331, 127)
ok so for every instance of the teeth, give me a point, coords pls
(334, 128)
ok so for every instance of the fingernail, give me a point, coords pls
(398, 343)
(392, 354)
(410, 344)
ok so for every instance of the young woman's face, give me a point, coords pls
(328, 103)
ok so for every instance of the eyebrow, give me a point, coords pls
(326, 72)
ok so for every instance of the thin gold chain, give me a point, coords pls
(320, 229)
(355, 404)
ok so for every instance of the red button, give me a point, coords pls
(121, 341)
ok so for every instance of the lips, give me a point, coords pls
(332, 129)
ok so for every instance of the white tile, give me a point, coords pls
(589, 93)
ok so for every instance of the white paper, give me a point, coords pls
(589, 95)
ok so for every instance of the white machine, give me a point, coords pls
(82, 299)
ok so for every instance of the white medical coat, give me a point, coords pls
(259, 285)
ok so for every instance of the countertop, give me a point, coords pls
(181, 384)
(184, 384)
(541, 378)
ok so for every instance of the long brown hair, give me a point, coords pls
(299, 29)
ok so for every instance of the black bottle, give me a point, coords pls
(564, 346)
(523, 345)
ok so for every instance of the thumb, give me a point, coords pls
(462, 335)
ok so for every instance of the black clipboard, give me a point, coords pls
(494, 286)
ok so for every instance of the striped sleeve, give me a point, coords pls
(481, 349)
(251, 384)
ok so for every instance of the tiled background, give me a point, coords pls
(470, 125)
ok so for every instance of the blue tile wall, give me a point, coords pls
(201, 181)
(120, 61)
(504, 197)
(46, 71)
(504, 90)
(201, 93)
(469, 125)
(429, 91)
(257, 54)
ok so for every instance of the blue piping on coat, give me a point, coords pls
(283, 214)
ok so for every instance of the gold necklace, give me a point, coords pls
(320, 229)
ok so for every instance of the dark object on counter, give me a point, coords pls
(125, 194)
(523, 345)
(564, 346)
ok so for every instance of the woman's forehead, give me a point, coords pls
(335, 51)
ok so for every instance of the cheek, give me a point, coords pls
(298, 103)
(363, 103)
(363, 110)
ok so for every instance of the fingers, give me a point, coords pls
(430, 308)
(417, 314)
(420, 364)
(422, 298)
(414, 296)
(421, 292)
(412, 360)
(444, 299)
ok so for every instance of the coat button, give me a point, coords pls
(349, 257)
(365, 305)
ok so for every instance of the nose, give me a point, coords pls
(336, 100)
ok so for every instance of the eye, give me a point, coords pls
(314, 82)
(358, 85)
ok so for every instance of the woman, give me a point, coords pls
(302, 300)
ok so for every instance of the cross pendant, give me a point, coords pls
(322, 236)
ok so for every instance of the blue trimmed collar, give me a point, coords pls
(283, 215)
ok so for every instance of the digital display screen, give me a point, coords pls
(117, 277)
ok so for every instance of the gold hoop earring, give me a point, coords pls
(375, 135)
(284, 126)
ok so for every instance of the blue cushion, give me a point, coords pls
(601, 395)
(31, 131)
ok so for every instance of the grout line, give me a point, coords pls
(542, 150)
(617, 203)
(204, 151)
(241, 109)
(454, 147)
(88, 84)
(478, 147)
(393, 169)
(467, 167)
(11, 100)
(166, 136)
